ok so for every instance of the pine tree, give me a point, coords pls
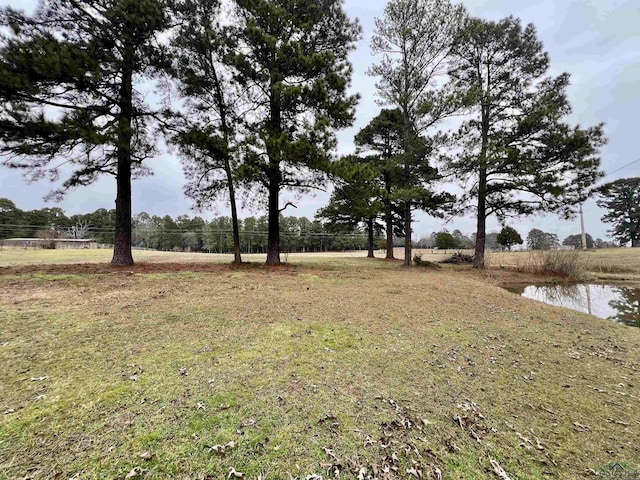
(67, 77)
(382, 141)
(415, 38)
(518, 153)
(355, 200)
(508, 237)
(622, 200)
(208, 134)
(292, 63)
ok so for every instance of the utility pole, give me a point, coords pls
(584, 235)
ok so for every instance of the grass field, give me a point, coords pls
(330, 366)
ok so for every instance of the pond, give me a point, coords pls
(612, 302)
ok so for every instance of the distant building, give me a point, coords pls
(60, 242)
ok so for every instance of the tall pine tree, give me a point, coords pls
(356, 199)
(415, 38)
(67, 81)
(208, 134)
(292, 62)
(382, 141)
(622, 200)
(517, 152)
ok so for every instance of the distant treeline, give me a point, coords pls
(183, 233)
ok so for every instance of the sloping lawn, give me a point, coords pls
(354, 368)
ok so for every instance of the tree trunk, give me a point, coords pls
(273, 240)
(237, 257)
(222, 107)
(407, 143)
(275, 176)
(481, 234)
(370, 237)
(122, 242)
(388, 217)
(635, 242)
(407, 234)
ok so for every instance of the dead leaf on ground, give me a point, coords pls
(580, 427)
(412, 471)
(133, 474)
(330, 453)
(234, 473)
(221, 448)
(498, 470)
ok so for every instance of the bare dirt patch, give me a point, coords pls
(142, 268)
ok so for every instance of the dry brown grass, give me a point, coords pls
(289, 362)
(614, 264)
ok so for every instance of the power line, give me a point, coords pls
(621, 168)
(204, 231)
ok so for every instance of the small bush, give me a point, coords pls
(48, 238)
(458, 259)
(49, 244)
(417, 259)
(568, 263)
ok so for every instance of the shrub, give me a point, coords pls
(568, 263)
(458, 259)
(49, 244)
(417, 259)
(48, 237)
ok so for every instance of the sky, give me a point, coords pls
(596, 41)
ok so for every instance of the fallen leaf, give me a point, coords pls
(330, 453)
(580, 426)
(221, 448)
(146, 455)
(362, 473)
(234, 473)
(525, 441)
(133, 474)
(498, 470)
(414, 472)
(437, 473)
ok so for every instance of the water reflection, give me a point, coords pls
(617, 303)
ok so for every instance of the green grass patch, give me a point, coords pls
(306, 370)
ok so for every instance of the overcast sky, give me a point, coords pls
(596, 41)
